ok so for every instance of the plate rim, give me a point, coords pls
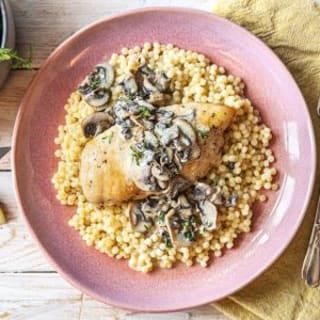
(23, 106)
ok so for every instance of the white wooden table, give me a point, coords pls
(29, 287)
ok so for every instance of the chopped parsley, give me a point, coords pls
(203, 133)
(95, 83)
(166, 239)
(190, 235)
(147, 227)
(161, 216)
(144, 112)
(137, 154)
(108, 137)
(189, 228)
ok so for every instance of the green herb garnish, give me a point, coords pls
(190, 235)
(136, 154)
(189, 228)
(144, 112)
(166, 239)
(7, 54)
(161, 216)
(203, 133)
(147, 227)
(95, 83)
(108, 137)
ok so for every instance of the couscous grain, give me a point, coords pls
(245, 169)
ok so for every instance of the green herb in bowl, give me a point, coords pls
(7, 54)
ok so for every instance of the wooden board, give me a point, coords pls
(46, 296)
(29, 287)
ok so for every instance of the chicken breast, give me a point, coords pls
(113, 171)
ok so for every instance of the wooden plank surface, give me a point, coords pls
(18, 253)
(46, 296)
(29, 287)
(45, 24)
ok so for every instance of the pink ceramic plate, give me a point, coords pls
(273, 92)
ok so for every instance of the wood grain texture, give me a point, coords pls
(43, 24)
(29, 288)
(38, 297)
(10, 97)
(18, 253)
(46, 296)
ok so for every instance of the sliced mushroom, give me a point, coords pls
(138, 220)
(177, 238)
(150, 140)
(146, 71)
(162, 82)
(185, 155)
(159, 99)
(179, 145)
(95, 87)
(96, 123)
(186, 212)
(136, 121)
(142, 73)
(142, 103)
(164, 114)
(167, 221)
(106, 73)
(98, 98)
(158, 172)
(152, 206)
(162, 184)
(216, 196)
(177, 160)
(179, 185)
(148, 125)
(129, 85)
(186, 129)
(208, 214)
(166, 156)
(183, 202)
(121, 113)
(149, 87)
(201, 191)
(185, 209)
(166, 134)
(84, 88)
(185, 140)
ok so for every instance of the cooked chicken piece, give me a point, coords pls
(211, 121)
(112, 171)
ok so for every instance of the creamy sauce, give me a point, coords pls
(112, 171)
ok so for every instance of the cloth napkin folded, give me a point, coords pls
(292, 29)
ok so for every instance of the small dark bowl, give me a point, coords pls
(7, 36)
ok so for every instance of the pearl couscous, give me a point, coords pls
(246, 167)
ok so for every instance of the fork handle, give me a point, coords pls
(311, 264)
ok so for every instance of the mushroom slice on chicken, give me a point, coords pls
(114, 169)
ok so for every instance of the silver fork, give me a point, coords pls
(311, 263)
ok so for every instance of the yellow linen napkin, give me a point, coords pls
(292, 29)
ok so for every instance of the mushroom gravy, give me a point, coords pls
(154, 143)
(125, 161)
